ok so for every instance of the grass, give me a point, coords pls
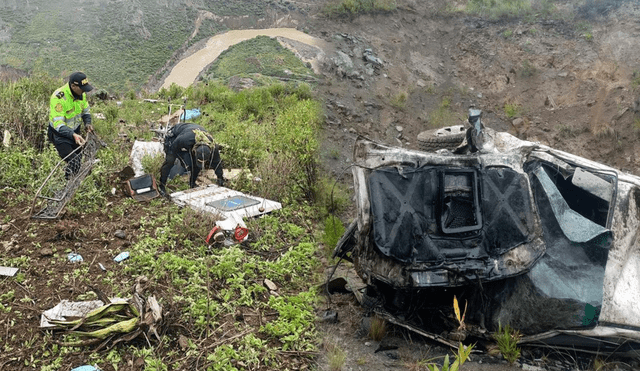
(528, 9)
(168, 245)
(507, 341)
(399, 100)
(527, 69)
(635, 80)
(352, 8)
(122, 46)
(262, 56)
(336, 356)
(603, 130)
(443, 115)
(378, 328)
(512, 110)
(461, 357)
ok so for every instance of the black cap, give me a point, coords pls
(203, 156)
(80, 79)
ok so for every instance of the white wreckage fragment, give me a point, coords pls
(232, 206)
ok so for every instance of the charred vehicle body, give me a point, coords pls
(526, 235)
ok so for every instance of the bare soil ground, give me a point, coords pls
(571, 82)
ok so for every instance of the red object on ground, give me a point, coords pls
(240, 233)
(212, 233)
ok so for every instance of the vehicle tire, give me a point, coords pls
(449, 137)
(371, 298)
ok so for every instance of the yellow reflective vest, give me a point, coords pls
(65, 113)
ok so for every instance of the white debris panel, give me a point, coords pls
(141, 149)
(232, 206)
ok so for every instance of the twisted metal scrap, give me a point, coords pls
(56, 191)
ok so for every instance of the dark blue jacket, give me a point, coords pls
(179, 143)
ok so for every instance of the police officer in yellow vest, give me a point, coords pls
(68, 107)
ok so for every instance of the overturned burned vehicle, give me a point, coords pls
(525, 235)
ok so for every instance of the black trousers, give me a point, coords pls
(68, 150)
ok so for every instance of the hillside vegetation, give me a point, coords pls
(218, 313)
(120, 44)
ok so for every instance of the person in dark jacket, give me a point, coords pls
(196, 150)
(68, 109)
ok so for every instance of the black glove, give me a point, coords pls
(221, 182)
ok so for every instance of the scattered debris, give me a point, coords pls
(86, 368)
(94, 322)
(142, 188)
(330, 316)
(74, 257)
(190, 114)
(232, 206)
(217, 235)
(6, 141)
(8, 271)
(56, 190)
(270, 285)
(120, 234)
(122, 256)
(141, 149)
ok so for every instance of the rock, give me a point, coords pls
(399, 128)
(270, 285)
(45, 251)
(329, 316)
(239, 316)
(518, 123)
(120, 234)
(527, 367)
(184, 342)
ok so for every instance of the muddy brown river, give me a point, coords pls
(187, 70)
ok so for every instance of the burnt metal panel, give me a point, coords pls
(408, 207)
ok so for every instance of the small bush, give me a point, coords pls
(527, 69)
(461, 358)
(507, 339)
(399, 100)
(443, 115)
(512, 110)
(336, 357)
(333, 230)
(378, 328)
(351, 8)
(499, 8)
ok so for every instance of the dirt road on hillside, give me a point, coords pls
(187, 70)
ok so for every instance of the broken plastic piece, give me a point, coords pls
(240, 233)
(86, 368)
(74, 257)
(217, 235)
(8, 271)
(122, 256)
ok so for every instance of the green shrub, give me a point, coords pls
(461, 358)
(512, 110)
(399, 100)
(507, 339)
(333, 231)
(350, 8)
